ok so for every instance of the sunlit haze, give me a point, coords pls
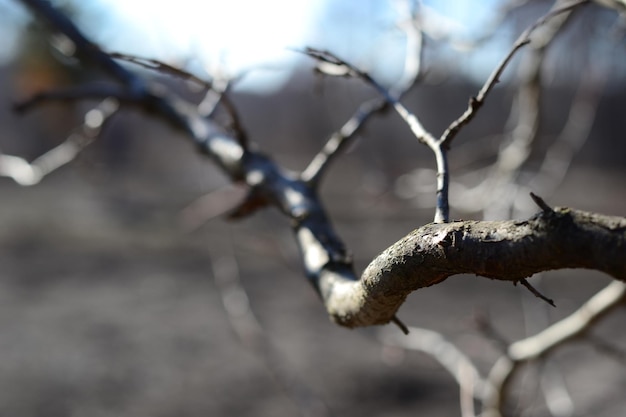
(256, 37)
(230, 36)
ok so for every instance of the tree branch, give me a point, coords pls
(476, 103)
(339, 140)
(544, 342)
(503, 250)
(30, 173)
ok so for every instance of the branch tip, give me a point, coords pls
(541, 203)
(403, 327)
(536, 293)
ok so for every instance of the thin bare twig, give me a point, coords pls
(339, 141)
(535, 292)
(342, 138)
(162, 67)
(414, 124)
(216, 90)
(30, 173)
(476, 103)
(541, 203)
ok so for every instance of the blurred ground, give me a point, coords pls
(108, 308)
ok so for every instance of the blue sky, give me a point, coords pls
(238, 35)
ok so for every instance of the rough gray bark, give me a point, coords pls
(503, 250)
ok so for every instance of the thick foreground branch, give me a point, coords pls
(503, 250)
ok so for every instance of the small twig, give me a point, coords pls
(475, 103)
(162, 67)
(414, 124)
(340, 140)
(541, 203)
(535, 292)
(395, 320)
(219, 94)
(331, 65)
(30, 173)
(214, 86)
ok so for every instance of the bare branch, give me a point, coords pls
(505, 250)
(572, 326)
(216, 90)
(25, 173)
(162, 67)
(414, 124)
(339, 141)
(493, 195)
(544, 342)
(442, 211)
(476, 103)
(541, 203)
(535, 292)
